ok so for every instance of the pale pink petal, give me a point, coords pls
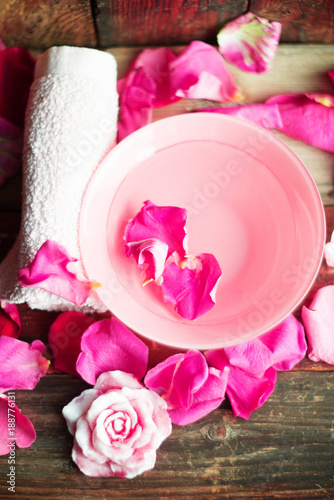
(109, 345)
(329, 252)
(11, 142)
(250, 42)
(116, 380)
(318, 320)
(22, 433)
(21, 364)
(78, 407)
(166, 224)
(90, 467)
(10, 323)
(192, 291)
(150, 254)
(200, 73)
(265, 115)
(52, 270)
(65, 340)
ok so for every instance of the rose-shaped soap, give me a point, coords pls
(117, 426)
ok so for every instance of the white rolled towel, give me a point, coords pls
(71, 123)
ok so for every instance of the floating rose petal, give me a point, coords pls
(55, 271)
(21, 364)
(250, 42)
(150, 253)
(318, 320)
(108, 345)
(190, 388)
(253, 364)
(166, 224)
(200, 73)
(191, 288)
(65, 340)
(24, 431)
(17, 71)
(10, 323)
(11, 140)
(329, 252)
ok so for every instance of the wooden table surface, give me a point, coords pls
(285, 449)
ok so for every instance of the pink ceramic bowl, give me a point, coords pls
(251, 202)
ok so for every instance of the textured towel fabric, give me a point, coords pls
(71, 123)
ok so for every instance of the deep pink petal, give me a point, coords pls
(10, 323)
(250, 42)
(331, 75)
(65, 340)
(166, 224)
(265, 115)
(11, 141)
(52, 270)
(200, 73)
(150, 254)
(329, 252)
(22, 434)
(192, 290)
(108, 345)
(17, 71)
(318, 320)
(21, 364)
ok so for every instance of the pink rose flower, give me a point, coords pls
(117, 426)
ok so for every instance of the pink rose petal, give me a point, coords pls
(2, 45)
(200, 73)
(55, 271)
(318, 320)
(250, 42)
(329, 252)
(151, 254)
(192, 290)
(24, 431)
(11, 141)
(10, 323)
(331, 75)
(108, 345)
(190, 388)
(265, 115)
(21, 364)
(65, 340)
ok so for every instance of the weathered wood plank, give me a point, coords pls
(169, 22)
(284, 450)
(302, 20)
(42, 24)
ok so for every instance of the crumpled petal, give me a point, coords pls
(150, 253)
(17, 73)
(108, 345)
(253, 364)
(65, 340)
(21, 364)
(55, 271)
(11, 142)
(23, 433)
(250, 42)
(318, 320)
(190, 388)
(329, 252)
(200, 73)
(10, 323)
(192, 290)
(166, 224)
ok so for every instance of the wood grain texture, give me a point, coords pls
(43, 23)
(167, 22)
(302, 20)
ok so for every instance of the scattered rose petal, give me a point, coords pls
(253, 364)
(21, 364)
(200, 73)
(55, 271)
(151, 254)
(250, 42)
(191, 288)
(265, 115)
(11, 140)
(17, 72)
(331, 75)
(65, 340)
(329, 252)
(2, 45)
(10, 323)
(108, 345)
(24, 431)
(190, 388)
(118, 426)
(318, 320)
